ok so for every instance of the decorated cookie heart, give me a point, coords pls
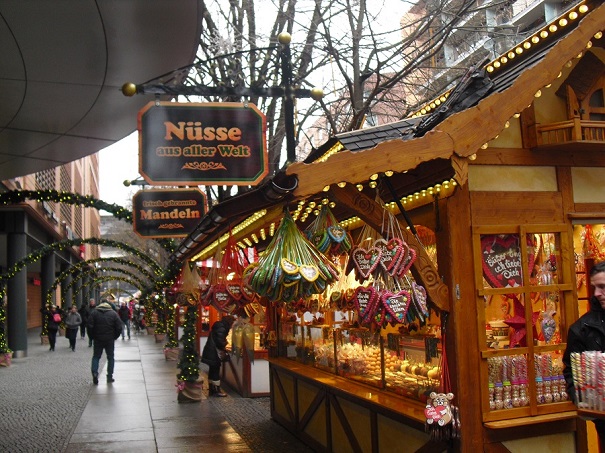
(391, 252)
(396, 304)
(337, 233)
(420, 298)
(366, 261)
(308, 272)
(221, 298)
(235, 290)
(501, 260)
(365, 302)
(288, 266)
(406, 263)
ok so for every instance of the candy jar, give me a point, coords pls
(507, 398)
(492, 404)
(539, 390)
(563, 388)
(523, 398)
(554, 384)
(547, 389)
(516, 393)
(498, 396)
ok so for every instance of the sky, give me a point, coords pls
(117, 163)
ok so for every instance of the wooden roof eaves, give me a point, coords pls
(461, 134)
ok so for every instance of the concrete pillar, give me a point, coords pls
(47, 277)
(66, 294)
(78, 290)
(16, 294)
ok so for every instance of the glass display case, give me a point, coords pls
(408, 365)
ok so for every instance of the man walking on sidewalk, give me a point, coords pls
(105, 327)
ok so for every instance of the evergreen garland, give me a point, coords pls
(4, 349)
(189, 361)
(171, 333)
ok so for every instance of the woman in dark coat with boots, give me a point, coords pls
(214, 353)
(52, 326)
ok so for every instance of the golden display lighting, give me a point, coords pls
(245, 224)
(561, 22)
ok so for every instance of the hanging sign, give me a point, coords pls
(202, 144)
(174, 213)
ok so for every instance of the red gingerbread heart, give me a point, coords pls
(366, 261)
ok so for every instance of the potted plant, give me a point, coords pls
(189, 383)
(6, 354)
(171, 348)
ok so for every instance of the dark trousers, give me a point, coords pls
(214, 372)
(83, 330)
(98, 348)
(71, 335)
(52, 338)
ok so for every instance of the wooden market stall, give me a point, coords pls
(508, 183)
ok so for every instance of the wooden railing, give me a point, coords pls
(574, 130)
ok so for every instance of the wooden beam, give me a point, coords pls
(423, 269)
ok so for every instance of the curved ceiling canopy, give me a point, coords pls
(62, 66)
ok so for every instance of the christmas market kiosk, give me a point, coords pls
(417, 279)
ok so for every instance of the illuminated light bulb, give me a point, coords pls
(506, 125)
(538, 94)
(454, 183)
(553, 28)
(374, 177)
(563, 22)
(490, 68)
(535, 39)
(543, 34)
(325, 201)
(472, 157)
(432, 105)
(301, 202)
(423, 111)
(573, 15)
(496, 64)
(423, 193)
(316, 212)
(589, 44)
(312, 204)
(437, 102)
(254, 238)
(579, 55)
(388, 173)
(443, 98)
(598, 35)
(416, 195)
(247, 241)
(373, 184)
(325, 189)
(484, 146)
(404, 201)
(518, 50)
(503, 60)
(583, 9)
(410, 197)
(341, 184)
(332, 204)
(308, 209)
(516, 115)
(359, 187)
(511, 55)
(526, 45)
(263, 234)
(568, 64)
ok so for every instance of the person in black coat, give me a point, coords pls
(84, 313)
(588, 334)
(105, 327)
(214, 353)
(52, 324)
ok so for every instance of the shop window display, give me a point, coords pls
(524, 289)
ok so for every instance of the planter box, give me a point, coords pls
(190, 392)
(172, 354)
(159, 337)
(44, 339)
(5, 359)
(150, 330)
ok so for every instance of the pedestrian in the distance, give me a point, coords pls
(73, 320)
(214, 353)
(53, 319)
(91, 306)
(124, 313)
(106, 327)
(84, 312)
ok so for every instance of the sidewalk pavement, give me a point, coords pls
(49, 404)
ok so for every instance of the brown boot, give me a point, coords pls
(215, 390)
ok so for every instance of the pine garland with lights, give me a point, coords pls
(87, 201)
(4, 349)
(132, 279)
(190, 359)
(171, 333)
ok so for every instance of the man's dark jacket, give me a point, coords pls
(104, 323)
(586, 334)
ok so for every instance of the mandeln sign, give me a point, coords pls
(202, 144)
(171, 213)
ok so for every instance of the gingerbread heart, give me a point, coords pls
(337, 233)
(391, 252)
(366, 261)
(365, 302)
(397, 304)
(406, 263)
(501, 260)
(220, 296)
(308, 272)
(234, 289)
